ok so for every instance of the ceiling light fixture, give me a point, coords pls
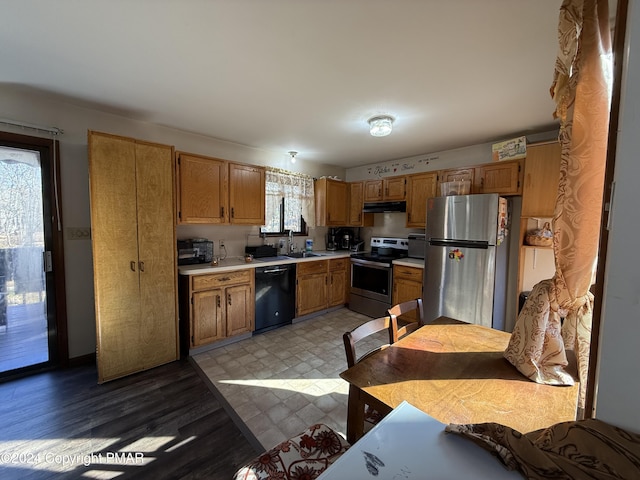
(380, 126)
(293, 156)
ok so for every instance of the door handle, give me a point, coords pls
(132, 264)
(48, 262)
(141, 266)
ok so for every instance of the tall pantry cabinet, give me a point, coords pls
(134, 262)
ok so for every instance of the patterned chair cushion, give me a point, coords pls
(304, 456)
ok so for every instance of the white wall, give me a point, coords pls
(459, 157)
(618, 391)
(21, 104)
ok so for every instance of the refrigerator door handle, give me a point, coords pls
(439, 242)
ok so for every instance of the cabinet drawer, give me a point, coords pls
(205, 282)
(338, 264)
(409, 273)
(308, 268)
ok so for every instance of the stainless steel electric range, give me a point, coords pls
(372, 275)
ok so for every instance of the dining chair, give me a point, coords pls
(399, 327)
(362, 333)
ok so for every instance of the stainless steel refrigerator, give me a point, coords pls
(466, 259)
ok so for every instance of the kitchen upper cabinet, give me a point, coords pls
(332, 208)
(134, 261)
(217, 306)
(357, 218)
(387, 189)
(457, 174)
(202, 189)
(541, 177)
(420, 187)
(311, 286)
(246, 194)
(407, 285)
(215, 191)
(338, 281)
(503, 178)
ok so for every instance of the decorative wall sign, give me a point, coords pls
(509, 149)
(390, 169)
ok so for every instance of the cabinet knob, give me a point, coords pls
(218, 300)
(228, 298)
(142, 266)
(133, 266)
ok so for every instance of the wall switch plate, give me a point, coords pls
(78, 233)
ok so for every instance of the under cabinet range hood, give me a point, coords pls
(381, 207)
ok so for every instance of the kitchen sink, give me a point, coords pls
(303, 255)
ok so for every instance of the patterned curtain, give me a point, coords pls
(297, 191)
(581, 90)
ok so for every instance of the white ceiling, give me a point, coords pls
(300, 75)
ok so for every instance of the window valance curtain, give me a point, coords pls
(581, 90)
(297, 191)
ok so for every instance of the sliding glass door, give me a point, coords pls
(27, 292)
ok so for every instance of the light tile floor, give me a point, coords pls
(282, 381)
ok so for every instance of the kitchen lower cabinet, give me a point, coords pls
(134, 257)
(216, 306)
(338, 281)
(407, 285)
(208, 318)
(312, 280)
(321, 284)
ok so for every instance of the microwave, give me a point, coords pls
(194, 251)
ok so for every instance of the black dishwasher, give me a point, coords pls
(275, 296)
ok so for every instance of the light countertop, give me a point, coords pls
(237, 263)
(410, 262)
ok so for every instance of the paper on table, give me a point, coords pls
(408, 444)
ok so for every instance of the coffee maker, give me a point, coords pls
(332, 240)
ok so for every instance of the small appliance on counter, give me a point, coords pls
(357, 246)
(194, 251)
(332, 240)
(261, 251)
(416, 245)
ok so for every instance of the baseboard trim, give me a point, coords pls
(82, 360)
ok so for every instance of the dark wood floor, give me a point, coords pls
(164, 423)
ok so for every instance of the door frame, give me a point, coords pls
(55, 285)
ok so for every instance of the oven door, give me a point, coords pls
(371, 279)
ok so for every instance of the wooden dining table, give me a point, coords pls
(456, 373)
